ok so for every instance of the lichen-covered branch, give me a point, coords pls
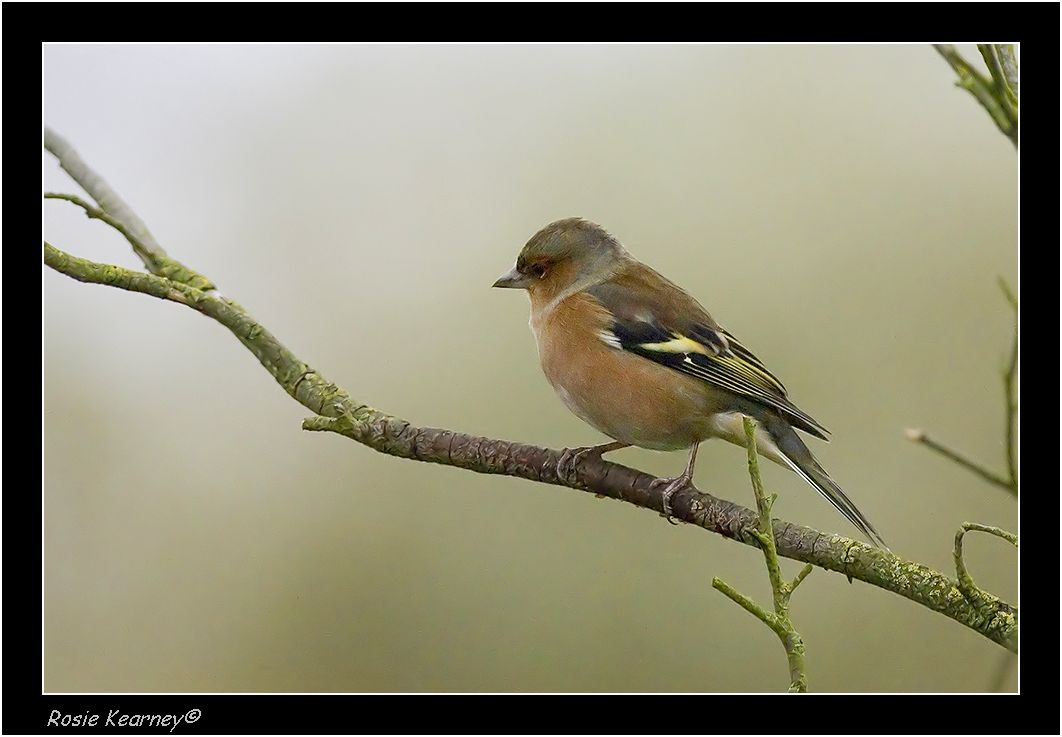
(997, 95)
(337, 412)
(779, 621)
(149, 250)
(966, 583)
(1005, 80)
(977, 597)
(113, 211)
(1009, 62)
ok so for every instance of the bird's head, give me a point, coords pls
(566, 252)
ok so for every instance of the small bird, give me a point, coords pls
(640, 360)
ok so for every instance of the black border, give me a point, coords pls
(1034, 24)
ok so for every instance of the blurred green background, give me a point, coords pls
(844, 210)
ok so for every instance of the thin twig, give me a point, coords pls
(799, 578)
(156, 263)
(996, 102)
(1009, 63)
(103, 193)
(920, 436)
(995, 68)
(967, 586)
(115, 212)
(779, 621)
(1010, 392)
(1008, 294)
(999, 678)
(747, 604)
(991, 53)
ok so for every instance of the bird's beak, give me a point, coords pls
(512, 279)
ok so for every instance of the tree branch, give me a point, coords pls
(779, 621)
(338, 412)
(113, 211)
(916, 435)
(1009, 63)
(108, 199)
(994, 96)
(993, 57)
(1010, 392)
(966, 583)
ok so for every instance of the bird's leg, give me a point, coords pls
(671, 485)
(572, 457)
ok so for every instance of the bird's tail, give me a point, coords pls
(800, 459)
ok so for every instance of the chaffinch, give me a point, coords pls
(638, 358)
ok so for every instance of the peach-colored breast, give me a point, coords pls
(625, 396)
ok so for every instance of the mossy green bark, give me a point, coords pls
(779, 620)
(998, 95)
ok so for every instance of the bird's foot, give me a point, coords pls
(572, 457)
(671, 485)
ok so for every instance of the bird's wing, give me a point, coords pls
(653, 318)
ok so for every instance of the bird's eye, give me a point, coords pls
(538, 270)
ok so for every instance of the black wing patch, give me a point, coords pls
(714, 356)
